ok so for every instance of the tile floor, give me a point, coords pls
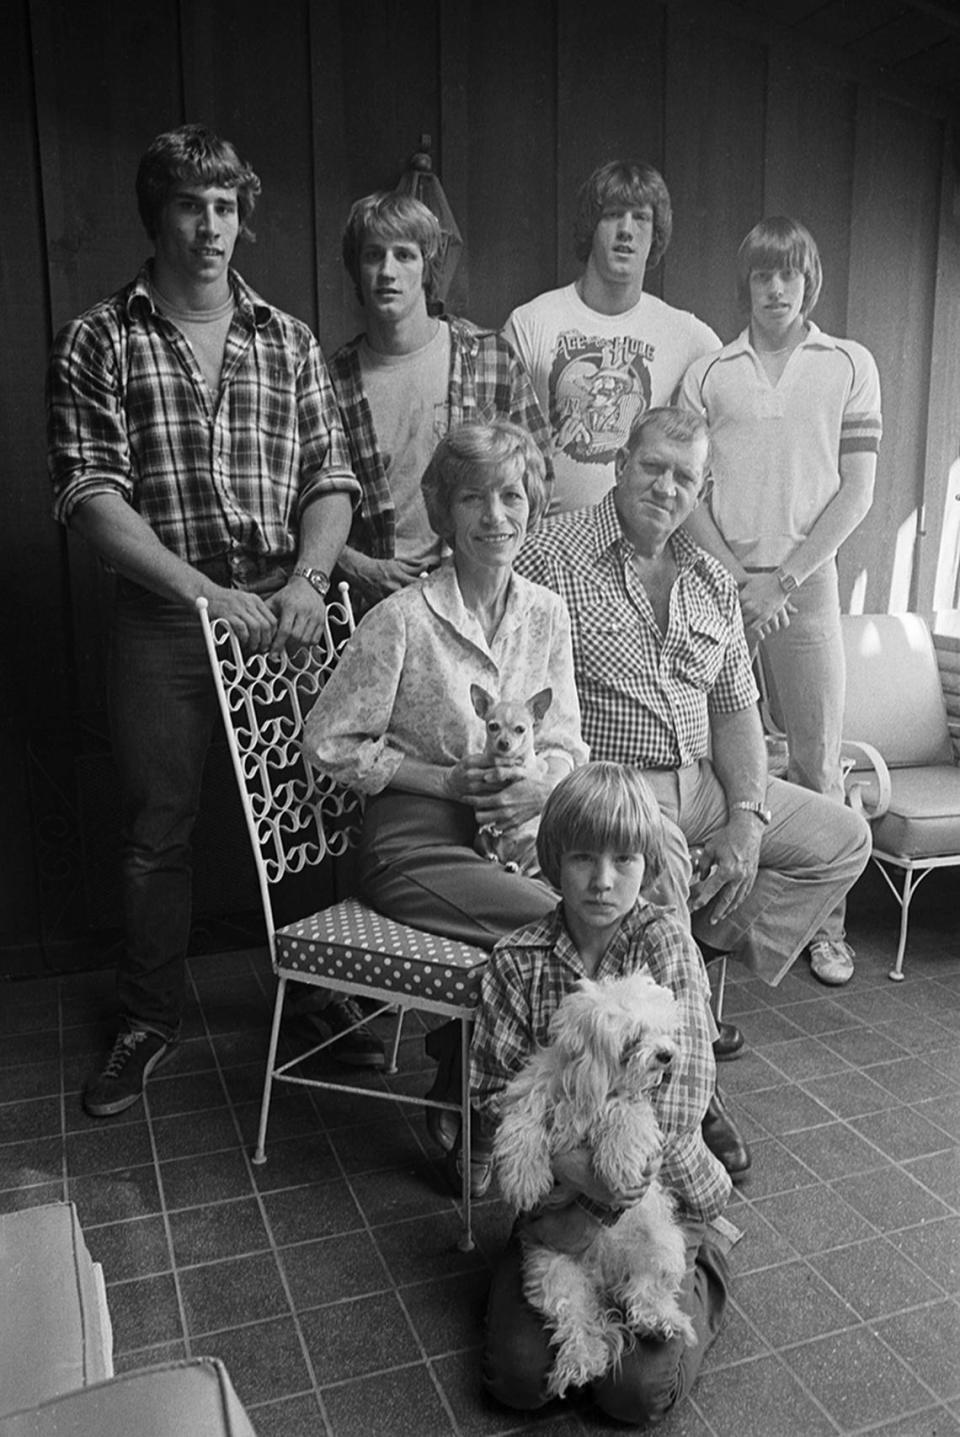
(329, 1280)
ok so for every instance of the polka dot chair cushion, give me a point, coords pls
(351, 942)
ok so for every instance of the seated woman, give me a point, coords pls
(395, 721)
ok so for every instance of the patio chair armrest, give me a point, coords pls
(869, 794)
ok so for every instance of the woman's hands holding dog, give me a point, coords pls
(498, 794)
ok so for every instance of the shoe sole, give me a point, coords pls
(120, 1105)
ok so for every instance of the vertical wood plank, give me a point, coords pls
(808, 167)
(510, 221)
(715, 110)
(893, 253)
(609, 104)
(227, 50)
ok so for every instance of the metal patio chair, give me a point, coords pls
(295, 819)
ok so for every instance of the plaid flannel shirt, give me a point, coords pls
(129, 413)
(487, 380)
(645, 696)
(533, 969)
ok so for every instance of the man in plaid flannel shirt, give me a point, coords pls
(195, 443)
(665, 682)
(402, 383)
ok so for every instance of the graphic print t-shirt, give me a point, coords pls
(595, 373)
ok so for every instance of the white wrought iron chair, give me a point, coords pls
(295, 819)
(903, 774)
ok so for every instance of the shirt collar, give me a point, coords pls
(254, 310)
(551, 932)
(442, 593)
(813, 339)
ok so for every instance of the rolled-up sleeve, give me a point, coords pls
(87, 444)
(325, 465)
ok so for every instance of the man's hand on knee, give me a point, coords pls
(730, 862)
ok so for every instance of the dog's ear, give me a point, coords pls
(539, 704)
(588, 1033)
(481, 700)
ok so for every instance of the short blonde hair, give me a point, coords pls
(780, 243)
(495, 449)
(394, 216)
(601, 807)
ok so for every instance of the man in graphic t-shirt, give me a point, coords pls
(600, 351)
(403, 383)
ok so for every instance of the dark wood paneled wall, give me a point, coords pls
(521, 98)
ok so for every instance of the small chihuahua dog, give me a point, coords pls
(511, 728)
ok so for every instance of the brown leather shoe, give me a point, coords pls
(729, 1044)
(723, 1139)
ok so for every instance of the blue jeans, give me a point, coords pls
(654, 1374)
(163, 710)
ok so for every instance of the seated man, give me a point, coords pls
(664, 679)
(403, 383)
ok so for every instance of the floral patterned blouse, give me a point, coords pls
(402, 686)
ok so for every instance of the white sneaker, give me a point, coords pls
(831, 960)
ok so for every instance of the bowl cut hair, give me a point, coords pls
(779, 242)
(481, 452)
(193, 154)
(601, 808)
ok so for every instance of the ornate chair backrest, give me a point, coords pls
(295, 817)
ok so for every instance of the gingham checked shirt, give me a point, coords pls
(522, 986)
(645, 696)
(129, 413)
(487, 380)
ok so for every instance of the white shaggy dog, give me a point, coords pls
(610, 1045)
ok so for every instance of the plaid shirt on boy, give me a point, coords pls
(645, 696)
(487, 381)
(129, 413)
(522, 987)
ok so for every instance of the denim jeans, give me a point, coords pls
(654, 1375)
(163, 709)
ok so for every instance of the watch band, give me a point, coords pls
(787, 582)
(608, 1216)
(316, 578)
(754, 806)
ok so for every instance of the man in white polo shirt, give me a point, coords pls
(795, 425)
(600, 351)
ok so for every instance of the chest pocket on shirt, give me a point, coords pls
(608, 646)
(701, 652)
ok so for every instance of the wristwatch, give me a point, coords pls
(787, 582)
(316, 578)
(754, 806)
(608, 1216)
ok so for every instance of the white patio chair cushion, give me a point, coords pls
(923, 819)
(352, 943)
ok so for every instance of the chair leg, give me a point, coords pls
(720, 989)
(466, 1241)
(391, 1067)
(260, 1155)
(911, 882)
